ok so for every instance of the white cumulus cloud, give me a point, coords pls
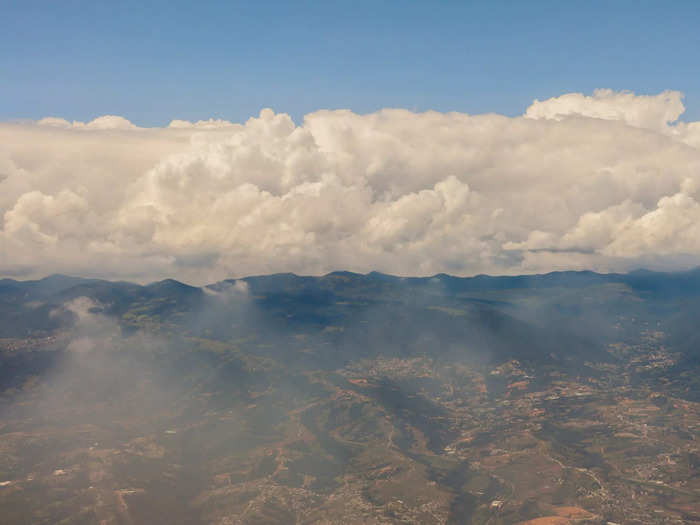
(607, 182)
(653, 112)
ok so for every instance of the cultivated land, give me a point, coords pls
(353, 399)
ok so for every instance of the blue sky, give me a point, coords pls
(155, 61)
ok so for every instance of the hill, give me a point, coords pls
(349, 398)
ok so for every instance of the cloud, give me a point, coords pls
(201, 124)
(104, 122)
(606, 182)
(228, 291)
(653, 112)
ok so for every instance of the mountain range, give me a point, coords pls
(571, 397)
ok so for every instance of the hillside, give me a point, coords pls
(351, 398)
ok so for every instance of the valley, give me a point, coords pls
(349, 399)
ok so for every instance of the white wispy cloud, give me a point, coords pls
(609, 181)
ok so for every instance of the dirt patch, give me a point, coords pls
(546, 520)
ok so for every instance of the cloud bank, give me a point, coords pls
(606, 182)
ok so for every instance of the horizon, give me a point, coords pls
(367, 274)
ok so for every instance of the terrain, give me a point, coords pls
(570, 397)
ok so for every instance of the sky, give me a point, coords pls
(203, 142)
(155, 61)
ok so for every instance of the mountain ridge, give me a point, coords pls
(64, 280)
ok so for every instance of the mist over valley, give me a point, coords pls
(351, 398)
